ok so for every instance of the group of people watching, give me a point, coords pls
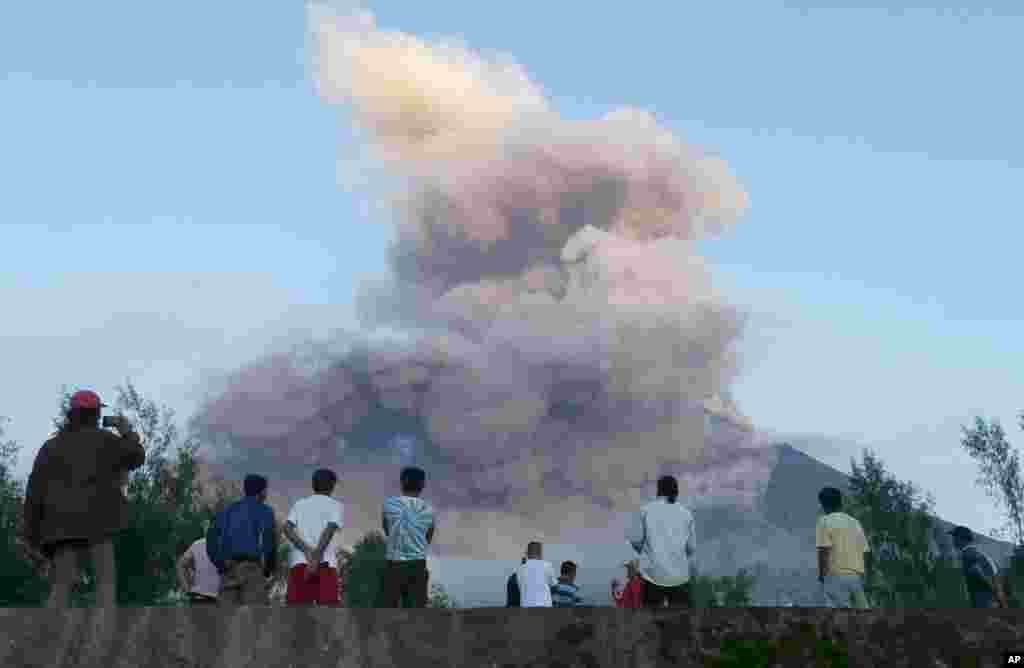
(74, 505)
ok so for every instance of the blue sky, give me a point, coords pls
(171, 184)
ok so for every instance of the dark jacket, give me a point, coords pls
(74, 490)
(979, 571)
(513, 592)
(244, 531)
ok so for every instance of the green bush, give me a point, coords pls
(764, 653)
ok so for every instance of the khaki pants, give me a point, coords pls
(243, 584)
(67, 558)
(844, 591)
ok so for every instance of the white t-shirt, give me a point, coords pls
(311, 516)
(536, 578)
(206, 579)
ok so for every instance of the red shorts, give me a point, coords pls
(322, 589)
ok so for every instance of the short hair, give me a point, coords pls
(668, 486)
(962, 533)
(413, 479)
(324, 480)
(568, 567)
(831, 499)
(533, 549)
(254, 485)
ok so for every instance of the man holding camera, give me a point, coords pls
(74, 504)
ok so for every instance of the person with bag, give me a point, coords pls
(74, 503)
(242, 544)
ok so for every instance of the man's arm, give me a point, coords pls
(292, 534)
(35, 494)
(325, 538)
(823, 557)
(131, 454)
(430, 534)
(384, 522)
(186, 564)
(635, 533)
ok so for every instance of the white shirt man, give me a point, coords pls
(536, 578)
(314, 528)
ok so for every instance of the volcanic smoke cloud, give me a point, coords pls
(562, 341)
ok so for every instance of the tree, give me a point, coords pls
(1001, 478)
(363, 585)
(1000, 471)
(907, 571)
(20, 585)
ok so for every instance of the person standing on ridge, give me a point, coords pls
(74, 504)
(843, 551)
(313, 524)
(408, 523)
(979, 570)
(662, 534)
(242, 544)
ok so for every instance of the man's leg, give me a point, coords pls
(229, 588)
(679, 597)
(298, 588)
(63, 575)
(254, 585)
(418, 583)
(390, 587)
(651, 595)
(859, 598)
(104, 563)
(836, 594)
(327, 587)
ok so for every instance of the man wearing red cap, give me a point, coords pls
(73, 502)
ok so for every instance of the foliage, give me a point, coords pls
(722, 592)
(1000, 471)
(363, 586)
(19, 584)
(906, 570)
(1001, 477)
(764, 653)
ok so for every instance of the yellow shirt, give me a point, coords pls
(845, 536)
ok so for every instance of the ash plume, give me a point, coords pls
(561, 341)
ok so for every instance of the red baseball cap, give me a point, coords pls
(86, 399)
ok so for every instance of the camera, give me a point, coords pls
(108, 421)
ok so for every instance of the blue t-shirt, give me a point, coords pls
(407, 518)
(565, 595)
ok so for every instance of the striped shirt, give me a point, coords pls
(565, 595)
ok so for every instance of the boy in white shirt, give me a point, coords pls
(536, 578)
(313, 526)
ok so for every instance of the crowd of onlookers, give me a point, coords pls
(74, 506)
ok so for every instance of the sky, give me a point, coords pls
(174, 203)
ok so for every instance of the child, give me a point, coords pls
(566, 594)
(630, 598)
